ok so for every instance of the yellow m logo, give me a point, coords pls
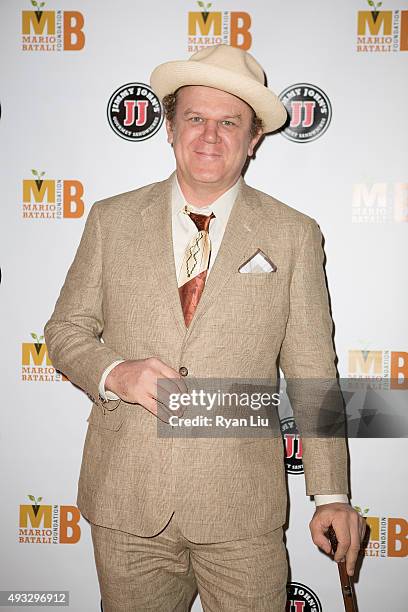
(366, 22)
(43, 516)
(32, 24)
(30, 355)
(38, 190)
(368, 363)
(196, 22)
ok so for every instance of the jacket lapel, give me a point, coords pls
(243, 224)
(159, 242)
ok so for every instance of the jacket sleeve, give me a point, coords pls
(73, 332)
(307, 359)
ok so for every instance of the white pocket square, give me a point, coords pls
(259, 262)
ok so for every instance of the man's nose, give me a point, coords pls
(210, 132)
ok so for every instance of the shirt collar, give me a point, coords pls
(221, 207)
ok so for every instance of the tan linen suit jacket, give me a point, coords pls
(122, 288)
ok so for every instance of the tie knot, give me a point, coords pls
(202, 221)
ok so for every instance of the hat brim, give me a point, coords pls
(168, 77)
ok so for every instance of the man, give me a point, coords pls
(160, 276)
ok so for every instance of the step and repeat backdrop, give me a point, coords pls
(79, 123)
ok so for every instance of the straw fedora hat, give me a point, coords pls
(229, 69)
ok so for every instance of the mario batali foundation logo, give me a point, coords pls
(56, 30)
(52, 198)
(381, 31)
(134, 112)
(36, 365)
(379, 364)
(208, 27)
(309, 111)
(386, 537)
(382, 202)
(48, 524)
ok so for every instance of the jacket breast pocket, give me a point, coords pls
(257, 285)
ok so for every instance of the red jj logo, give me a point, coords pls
(296, 606)
(304, 119)
(134, 112)
(293, 446)
(309, 110)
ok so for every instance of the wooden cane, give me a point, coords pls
(347, 589)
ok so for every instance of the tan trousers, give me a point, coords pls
(163, 573)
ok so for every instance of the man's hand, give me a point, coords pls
(135, 382)
(349, 526)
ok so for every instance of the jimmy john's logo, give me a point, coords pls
(55, 30)
(45, 198)
(207, 27)
(135, 112)
(309, 111)
(48, 524)
(301, 598)
(36, 365)
(292, 445)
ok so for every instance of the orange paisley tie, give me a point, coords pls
(194, 268)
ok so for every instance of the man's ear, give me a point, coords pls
(169, 130)
(253, 142)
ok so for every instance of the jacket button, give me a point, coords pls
(183, 371)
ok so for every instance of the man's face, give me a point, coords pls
(211, 136)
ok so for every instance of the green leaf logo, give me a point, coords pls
(38, 9)
(375, 8)
(204, 9)
(37, 342)
(35, 499)
(36, 504)
(37, 174)
(360, 511)
(38, 177)
(36, 338)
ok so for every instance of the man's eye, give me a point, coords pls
(196, 119)
(227, 123)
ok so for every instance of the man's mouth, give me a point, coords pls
(205, 154)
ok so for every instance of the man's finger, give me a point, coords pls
(363, 528)
(319, 538)
(352, 553)
(343, 540)
(159, 410)
(149, 403)
(166, 389)
(163, 397)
